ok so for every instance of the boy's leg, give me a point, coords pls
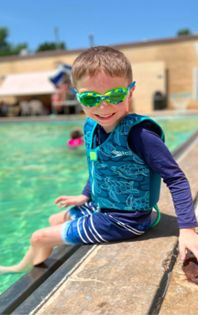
(42, 243)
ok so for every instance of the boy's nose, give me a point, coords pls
(103, 104)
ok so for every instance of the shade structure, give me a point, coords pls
(34, 83)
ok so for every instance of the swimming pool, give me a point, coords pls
(36, 167)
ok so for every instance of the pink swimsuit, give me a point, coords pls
(74, 143)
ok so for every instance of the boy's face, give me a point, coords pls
(107, 115)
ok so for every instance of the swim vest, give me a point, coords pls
(119, 178)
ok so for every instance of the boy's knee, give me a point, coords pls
(37, 237)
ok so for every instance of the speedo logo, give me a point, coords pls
(121, 153)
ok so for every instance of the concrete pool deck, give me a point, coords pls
(128, 278)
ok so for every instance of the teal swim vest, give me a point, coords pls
(119, 178)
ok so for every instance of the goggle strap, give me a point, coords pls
(77, 96)
(131, 85)
(73, 90)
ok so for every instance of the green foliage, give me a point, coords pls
(50, 46)
(12, 50)
(3, 35)
(7, 49)
(4, 45)
(184, 32)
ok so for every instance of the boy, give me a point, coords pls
(126, 158)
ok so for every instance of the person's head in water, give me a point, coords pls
(76, 133)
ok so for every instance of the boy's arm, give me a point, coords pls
(64, 201)
(87, 189)
(148, 145)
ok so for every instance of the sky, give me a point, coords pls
(81, 23)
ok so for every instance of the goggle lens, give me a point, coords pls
(117, 96)
(88, 100)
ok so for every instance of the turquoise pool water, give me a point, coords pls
(36, 167)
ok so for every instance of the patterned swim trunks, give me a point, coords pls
(89, 226)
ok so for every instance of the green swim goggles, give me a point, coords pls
(113, 96)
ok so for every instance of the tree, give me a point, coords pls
(184, 32)
(50, 46)
(16, 50)
(3, 38)
(7, 49)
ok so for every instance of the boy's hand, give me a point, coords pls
(188, 240)
(64, 201)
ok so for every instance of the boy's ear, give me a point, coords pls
(131, 92)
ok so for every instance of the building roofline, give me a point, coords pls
(55, 53)
(171, 40)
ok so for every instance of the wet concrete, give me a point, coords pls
(124, 278)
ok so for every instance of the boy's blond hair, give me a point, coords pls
(101, 58)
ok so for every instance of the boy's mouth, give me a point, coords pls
(105, 116)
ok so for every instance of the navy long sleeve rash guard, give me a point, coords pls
(145, 141)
